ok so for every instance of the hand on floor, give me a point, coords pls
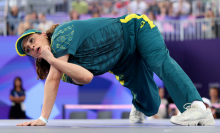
(32, 123)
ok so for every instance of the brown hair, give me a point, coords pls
(42, 66)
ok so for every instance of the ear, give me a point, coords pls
(44, 33)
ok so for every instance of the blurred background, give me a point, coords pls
(191, 30)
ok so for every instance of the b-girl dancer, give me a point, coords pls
(130, 47)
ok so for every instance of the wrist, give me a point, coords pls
(43, 119)
(51, 60)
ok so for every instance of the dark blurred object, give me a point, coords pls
(17, 97)
(78, 115)
(94, 7)
(104, 115)
(125, 115)
(154, 8)
(217, 113)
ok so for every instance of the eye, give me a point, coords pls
(31, 40)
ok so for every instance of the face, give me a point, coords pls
(95, 15)
(41, 17)
(151, 16)
(213, 93)
(74, 15)
(33, 44)
(163, 10)
(17, 83)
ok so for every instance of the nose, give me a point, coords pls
(32, 47)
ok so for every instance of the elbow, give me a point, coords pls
(87, 79)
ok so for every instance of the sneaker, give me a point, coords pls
(136, 116)
(193, 116)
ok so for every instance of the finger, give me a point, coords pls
(21, 124)
(33, 124)
(18, 124)
(26, 123)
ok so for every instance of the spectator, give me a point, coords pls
(215, 101)
(34, 20)
(80, 6)
(96, 14)
(26, 25)
(163, 14)
(13, 18)
(107, 7)
(151, 16)
(162, 112)
(154, 8)
(74, 15)
(200, 9)
(17, 97)
(181, 7)
(170, 12)
(44, 23)
(209, 27)
(121, 7)
(94, 7)
(137, 6)
(208, 104)
(214, 93)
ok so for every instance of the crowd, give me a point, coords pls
(18, 24)
(154, 9)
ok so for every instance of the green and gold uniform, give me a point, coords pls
(132, 48)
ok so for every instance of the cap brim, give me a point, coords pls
(18, 45)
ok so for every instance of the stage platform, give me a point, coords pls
(105, 126)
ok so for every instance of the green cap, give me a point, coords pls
(18, 44)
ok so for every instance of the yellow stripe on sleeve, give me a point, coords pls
(132, 16)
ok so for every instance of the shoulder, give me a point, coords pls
(62, 39)
(62, 34)
(62, 28)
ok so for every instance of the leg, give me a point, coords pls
(153, 50)
(146, 100)
(145, 94)
(139, 79)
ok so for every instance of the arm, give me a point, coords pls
(58, 67)
(17, 100)
(22, 98)
(50, 93)
(78, 74)
(14, 99)
(51, 88)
